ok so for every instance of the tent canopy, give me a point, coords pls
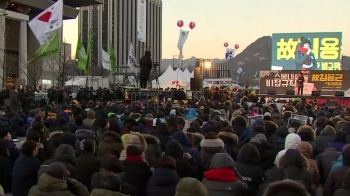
(171, 78)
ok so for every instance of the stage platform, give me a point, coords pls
(328, 99)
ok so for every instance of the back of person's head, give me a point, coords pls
(133, 150)
(340, 137)
(110, 182)
(29, 147)
(167, 162)
(286, 188)
(211, 136)
(293, 158)
(4, 152)
(78, 119)
(88, 145)
(33, 135)
(58, 170)
(259, 129)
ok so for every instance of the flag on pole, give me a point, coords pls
(47, 22)
(88, 52)
(81, 56)
(132, 59)
(106, 62)
(112, 58)
(50, 49)
(230, 53)
(182, 39)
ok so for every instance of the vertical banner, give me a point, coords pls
(182, 39)
(306, 51)
(132, 59)
(141, 20)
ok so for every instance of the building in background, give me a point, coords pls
(115, 21)
(17, 42)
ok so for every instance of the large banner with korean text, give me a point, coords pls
(325, 81)
(306, 51)
(141, 20)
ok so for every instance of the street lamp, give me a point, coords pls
(207, 64)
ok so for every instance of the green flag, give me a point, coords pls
(89, 47)
(81, 57)
(112, 58)
(50, 49)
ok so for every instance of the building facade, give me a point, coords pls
(115, 21)
(217, 71)
(17, 42)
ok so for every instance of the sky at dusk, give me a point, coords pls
(240, 22)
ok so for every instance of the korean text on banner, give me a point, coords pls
(141, 20)
(132, 59)
(326, 81)
(47, 22)
(106, 63)
(50, 49)
(289, 51)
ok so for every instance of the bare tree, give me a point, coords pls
(32, 71)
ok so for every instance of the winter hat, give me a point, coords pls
(149, 117)
(190, 186)
(57, 170)
(255, 140)
(90, 114)
(173, 112)
(267, 114)
(261, 137)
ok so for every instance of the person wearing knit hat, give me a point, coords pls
(304, 57)
(190, 187)
(90, 118)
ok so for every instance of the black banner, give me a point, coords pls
(325, 81)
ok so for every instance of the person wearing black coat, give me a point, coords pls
(87, 164)
(65, 154)
(248, 167)
(163, 134)
(5, 167)
(164, 178)
(137, 172)
(54, 143)
(345, 188)
(185, 167)
(25, 170)
(145, 69)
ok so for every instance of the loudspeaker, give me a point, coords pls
(196, 84)
(271, 92)
(197, 72)
(290, 92)
(316, 93)
(339, 93)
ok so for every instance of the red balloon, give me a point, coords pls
(236, 46)
(180, 23)
(192, 25)
(225, 44)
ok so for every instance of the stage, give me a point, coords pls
(327, 99)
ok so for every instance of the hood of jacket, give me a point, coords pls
(190, 187)
(228, 137)
(55, 137)
(47, 183)
(104, 192)
(111, 137)
(65, 153)
(305, 149)
(222, 160)
(150, 139)
(182, 138)
(164, 177)
(346, 155)
(136, 139)
(212, 145)
(282, 132)
(292, 141)
(191, 113)
(327, 131)
(88, 122)
(248, 155)
(84, 134)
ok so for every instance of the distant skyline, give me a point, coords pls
(240, 22)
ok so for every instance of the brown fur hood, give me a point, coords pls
(111, 137)
(228, 137)
(150, 139)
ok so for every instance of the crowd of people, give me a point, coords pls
(198, 148)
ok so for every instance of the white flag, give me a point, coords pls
(239, 70)
(132, 59)
(141, 20)
(47, 21)
(182, 39)
(106, 62)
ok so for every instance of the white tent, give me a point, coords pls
(171, 79)
(187, 73)
(182, 74)
(192, 74)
